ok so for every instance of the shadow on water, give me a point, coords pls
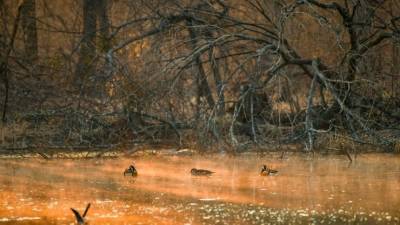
(323, 190)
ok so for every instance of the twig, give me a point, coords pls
(43, 155)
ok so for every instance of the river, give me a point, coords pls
(306, 190)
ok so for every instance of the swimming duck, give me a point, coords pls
(80, 219)
(201, 172)
(265, 171)
(131, 171)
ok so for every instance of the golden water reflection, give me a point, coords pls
(323, 190)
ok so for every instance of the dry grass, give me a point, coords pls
(397, 147)
(337, 142)
(11, 133)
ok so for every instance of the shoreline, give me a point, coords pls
(145, 151)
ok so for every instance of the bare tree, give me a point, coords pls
(239, 71)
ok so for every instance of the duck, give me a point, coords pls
(131, 171)
(201, 172)
(80, 219)
(265, 171)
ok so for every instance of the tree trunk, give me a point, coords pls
(103, 44)
(28, 22)
(360, 29)
(87, 53)
(4, 61)
(104, 25)
(218, 83)
(395, 70)
(204, 88)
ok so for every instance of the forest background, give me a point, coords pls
(230, 75)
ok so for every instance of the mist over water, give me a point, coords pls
(320, 190)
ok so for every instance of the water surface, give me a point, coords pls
(319, 190)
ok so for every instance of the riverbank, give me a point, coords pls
(149, 151)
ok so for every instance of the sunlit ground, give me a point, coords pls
(320, 190)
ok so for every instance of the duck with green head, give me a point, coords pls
(265, 171)
(131, 171)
